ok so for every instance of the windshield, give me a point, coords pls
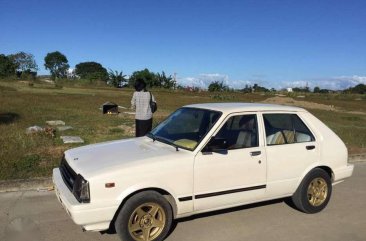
(186, 127)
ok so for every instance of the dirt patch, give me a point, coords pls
(300, 103)
(353, 150)
(355, 112)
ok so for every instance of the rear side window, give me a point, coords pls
(286, 129)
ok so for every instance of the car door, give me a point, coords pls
(235, 175)
(291, 149)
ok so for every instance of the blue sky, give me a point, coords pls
(276, 43)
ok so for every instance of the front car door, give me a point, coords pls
(236, 175)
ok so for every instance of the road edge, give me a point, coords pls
(357, 158)
(41, 184)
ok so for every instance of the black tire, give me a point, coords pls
(310, 198)
(129, 216)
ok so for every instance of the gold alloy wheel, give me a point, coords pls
(317, 191)
(147, 222)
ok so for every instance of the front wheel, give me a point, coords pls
(314, 192)
(146, 216)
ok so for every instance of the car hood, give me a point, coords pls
(94, 159)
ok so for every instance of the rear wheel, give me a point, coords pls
(314, 192)
(146, 216)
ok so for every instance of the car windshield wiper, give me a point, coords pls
(151, 135)
(163, 140)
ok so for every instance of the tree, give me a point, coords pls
(146, 75)
(7, 67)
(25, 62)
(57, 63)
(316, 89)
(92, 71)
(164, 81)
(324, 91)
(247, 89)
(258, 88)
(217, 86)
(117, 78)
(358, 89)
(301, 89)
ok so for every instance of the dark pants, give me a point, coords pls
(143, 127)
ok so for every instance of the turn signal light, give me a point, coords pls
(109, 185)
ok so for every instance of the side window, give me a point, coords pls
(285, 129)
(302, 133)
(240, 132)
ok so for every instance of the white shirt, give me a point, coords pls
(141, 103)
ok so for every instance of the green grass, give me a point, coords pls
(23, 105)
(350, 128)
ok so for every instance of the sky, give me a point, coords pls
(274, 43)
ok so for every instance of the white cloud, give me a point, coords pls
(333, 83)
(204, 80)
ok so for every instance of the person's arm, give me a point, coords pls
(153, 98)
(133, 101)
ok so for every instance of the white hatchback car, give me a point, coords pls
(203, 157)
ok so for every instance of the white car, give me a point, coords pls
(203, 157)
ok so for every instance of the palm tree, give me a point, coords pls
(164, 81)
(117, 78)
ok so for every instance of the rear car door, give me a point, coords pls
(291, 148)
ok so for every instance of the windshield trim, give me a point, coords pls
(166, 141)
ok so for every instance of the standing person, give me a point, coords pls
(141, 103)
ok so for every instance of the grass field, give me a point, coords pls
(22, 105)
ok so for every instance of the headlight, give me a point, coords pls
(81, 189)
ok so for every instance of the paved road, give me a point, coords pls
(344, 219)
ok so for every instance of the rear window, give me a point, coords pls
(286, 129)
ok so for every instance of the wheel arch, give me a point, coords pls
(168, 196)
(326, 168)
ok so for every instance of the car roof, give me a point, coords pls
(230, 107)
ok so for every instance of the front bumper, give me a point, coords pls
(93, 217)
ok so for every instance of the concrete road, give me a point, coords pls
(344, 219)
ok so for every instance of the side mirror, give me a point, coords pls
(216, 144)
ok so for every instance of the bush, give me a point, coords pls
(217, 86)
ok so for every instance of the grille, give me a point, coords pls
(67, 174)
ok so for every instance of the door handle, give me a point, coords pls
(255, 153)
(310, 147)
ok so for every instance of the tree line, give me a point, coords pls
(218, 86)
(22, 65)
